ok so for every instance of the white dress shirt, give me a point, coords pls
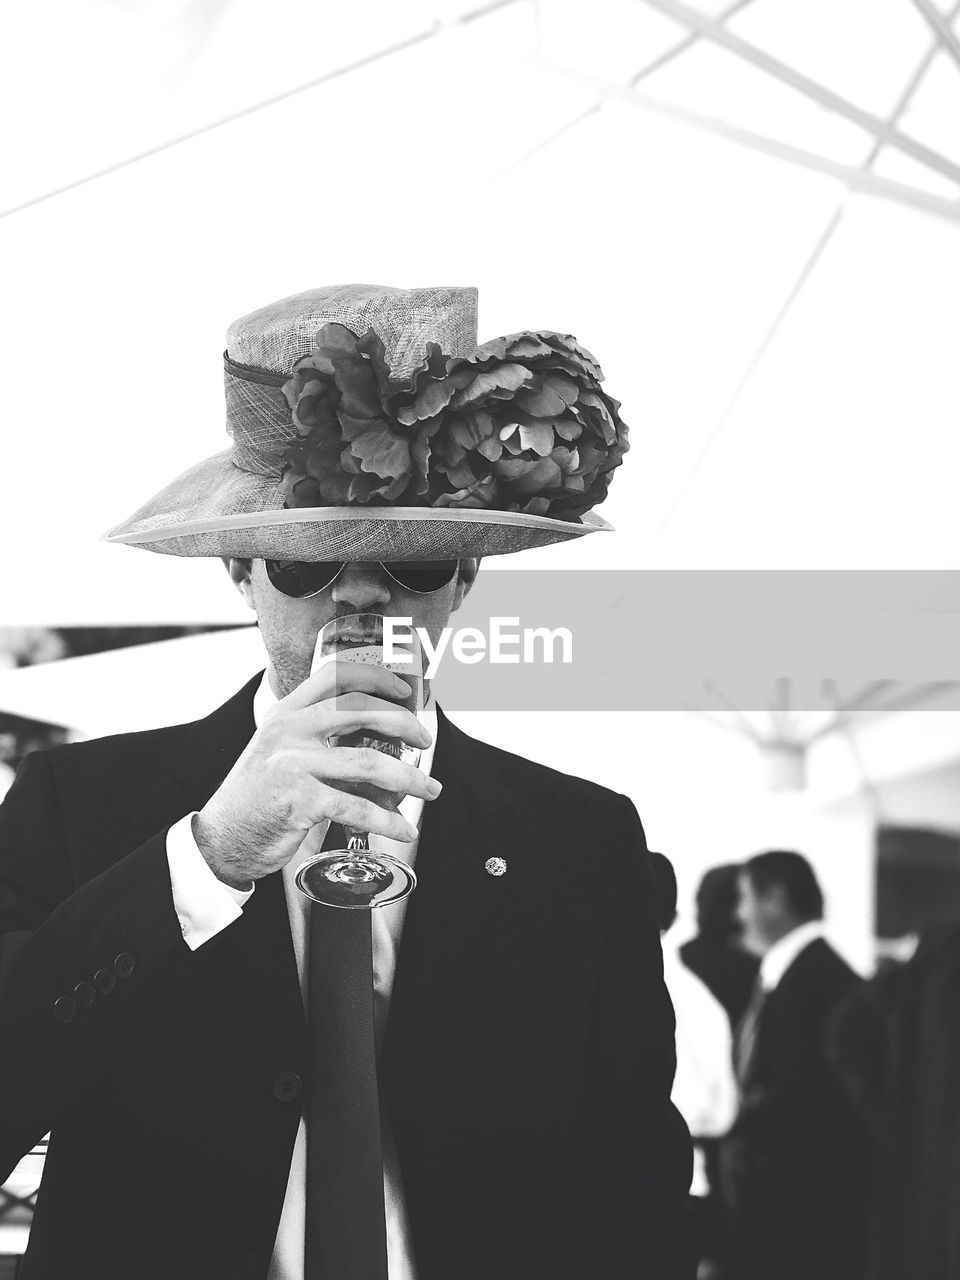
(205, 905)
(704, 1088)
(782, 954)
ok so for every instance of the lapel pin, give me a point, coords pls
(495, 866)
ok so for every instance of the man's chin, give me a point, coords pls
(284, 682)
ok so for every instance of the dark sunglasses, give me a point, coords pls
(303, 578)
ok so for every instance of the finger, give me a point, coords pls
(335, 678)
(361, 814)
(351, 712)
(372, 768)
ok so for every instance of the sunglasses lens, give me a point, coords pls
(301, 578)
(422, 576)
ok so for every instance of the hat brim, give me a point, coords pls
(216, 509)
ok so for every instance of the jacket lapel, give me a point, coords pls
(260, 940)
(206, 750)
(457, 903)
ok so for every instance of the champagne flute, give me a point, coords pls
(356, 877)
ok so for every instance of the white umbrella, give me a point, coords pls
(139, 687)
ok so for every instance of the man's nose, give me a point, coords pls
(361, 585)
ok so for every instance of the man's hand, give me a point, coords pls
(288, 780)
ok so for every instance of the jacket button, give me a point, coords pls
(65, 1009)
(287, 1086)
(84, 994)
(124, 965)
(105, 980)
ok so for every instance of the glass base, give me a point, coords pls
(361, 881)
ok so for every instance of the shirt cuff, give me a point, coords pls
(204, 904)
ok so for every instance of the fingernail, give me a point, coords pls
(412, 831)
(433, 788)
(401, 686)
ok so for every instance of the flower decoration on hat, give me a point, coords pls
(522, 424)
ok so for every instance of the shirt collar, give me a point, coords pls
(783, 953)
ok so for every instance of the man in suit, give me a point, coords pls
(797, 1155)
(895, 1042)
(212, 1053)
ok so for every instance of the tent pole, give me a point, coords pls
(436, 28)
(818, 251)
(549, 140)
(850, 175)
(781, 713)
(880, 129)
(686, 43)
(942, 26)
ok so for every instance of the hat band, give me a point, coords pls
(258, 418)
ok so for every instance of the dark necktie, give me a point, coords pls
(746, 1039)
(346, 1236)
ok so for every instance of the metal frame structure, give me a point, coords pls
(883, 132)
(436, 28)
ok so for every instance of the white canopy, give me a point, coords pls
(703, 202)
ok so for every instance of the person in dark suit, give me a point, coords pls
(472, 1082)
(895, 1043)
(715, 954)
(797, 1158)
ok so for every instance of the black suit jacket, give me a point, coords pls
(527, 1063)
(799, 1151)
(896, 1042)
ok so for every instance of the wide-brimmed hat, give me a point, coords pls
(367, 424)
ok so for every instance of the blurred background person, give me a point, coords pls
(715, 954)
(704, 1089)
(796, 1162)
(896, 1043)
